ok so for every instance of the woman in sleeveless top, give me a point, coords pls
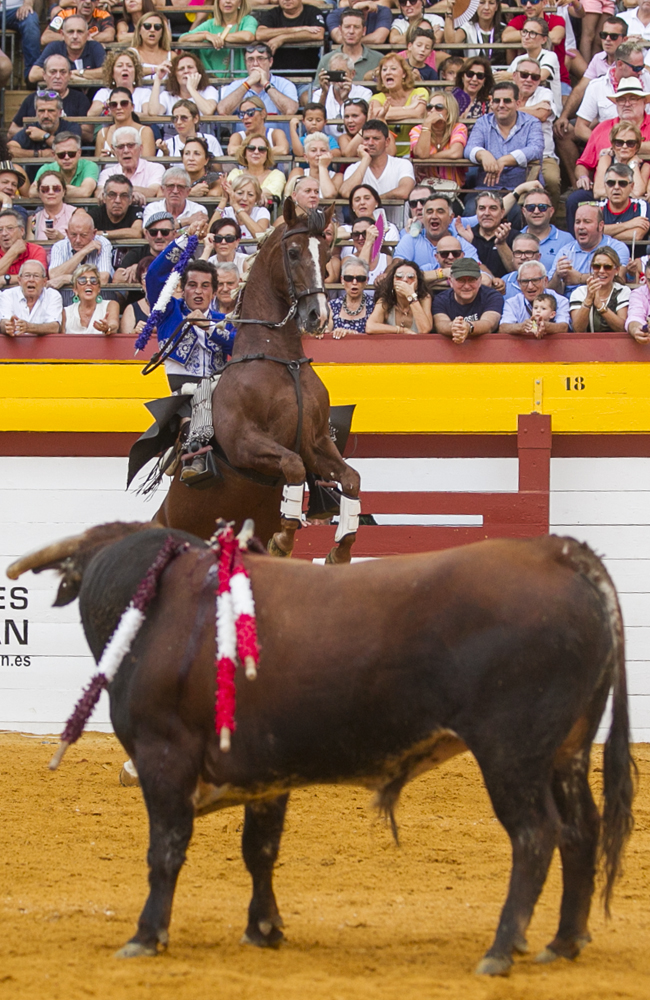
(152, 40)
(600, 306)
(120, 107)
(90, 313)
(402, 303)
(252, 113)
(136, 314)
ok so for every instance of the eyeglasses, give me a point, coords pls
(175, 187)
(627, 143)
(635, 69)
(225, 239)
(67, 154)
(602, 267)
(51, 94)
(538, 206)
(617, 184)
(114, 105)
(414, 202)
(525, 75)
(182, 118)
(127, 145)
(532, 34)
(248, 114)
(531, 281)
(502, 100)
(349, 278)
(450, 253)
(436, 107)
(8, 230)
(528, 254)
(88, 281)
(408, 3)
(159, 232)
(612, 35)
(252, 50)
(473, 74)
(405, 277)
(257, 149)
(360, 234)
(151, 26)
(533, 2)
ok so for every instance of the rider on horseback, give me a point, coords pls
(200, 350)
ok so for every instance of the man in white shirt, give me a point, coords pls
(638, 21)
(596, 104)
(390, 176)
(30, 307)
(145, 176)
(334, 94)
(176, 185)
(538, 101)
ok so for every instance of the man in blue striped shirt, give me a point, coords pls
(574, 263)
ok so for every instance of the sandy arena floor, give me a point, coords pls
(364, 919)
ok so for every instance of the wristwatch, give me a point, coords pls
(412, 298)
(471, 327)
(267, 88)
(7, 279)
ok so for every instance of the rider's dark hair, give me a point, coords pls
(203, 267)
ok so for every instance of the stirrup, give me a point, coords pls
(200, 479)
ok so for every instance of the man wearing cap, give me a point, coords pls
(630, 102)
(280, 96)
(30, 307)
(159, 231)
(597, 105)
(468, 308)
(517, 311)
(12, 179)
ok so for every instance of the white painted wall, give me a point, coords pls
(605, 502)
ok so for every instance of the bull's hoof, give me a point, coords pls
(263, 935)
(274, 549)
(494, 966)
(133, 949)
(129, 776)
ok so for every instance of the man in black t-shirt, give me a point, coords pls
(116, 217)
(492, 236)
(57, 73)
(292, 22)
(36, 140)
(468, 308)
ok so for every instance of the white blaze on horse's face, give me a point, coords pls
(310, 323)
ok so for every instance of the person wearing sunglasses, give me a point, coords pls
(625, 217)
(364, 235)
(412, 12)
(474, 82)
(531, 281)
(600, 305)
(78, 174)
(186, 119)
(437, 218)
(221, 245)
(537, 211)
(573, 266)
(132, 12)
(538, 101)
(89, 311)
(596, 105)
(626, 141)
(402, 302)
(556, 32)
(231, 24)
(255, 157)
(534, 36)
(120, 108)
(152, 40)
(50, 222)
(253, 114)
(121, 69)
(159, 231)
(350, 310)
(439, 135)
(503, 143)
(278, 95)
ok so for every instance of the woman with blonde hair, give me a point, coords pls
(439, 135)
(253, 114)
(243, 201)
(600, 306)
(187, 79)
(319, 157)
(121, 69)
(625, 141)
(90, 312)
(231, 23)
(255, 156)
(397, 98)
(152, 40)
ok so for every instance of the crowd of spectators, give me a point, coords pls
(490, 161)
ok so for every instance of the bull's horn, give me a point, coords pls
(42, 557)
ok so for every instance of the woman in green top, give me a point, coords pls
(231, 22)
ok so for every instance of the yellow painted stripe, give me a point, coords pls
(611, 398)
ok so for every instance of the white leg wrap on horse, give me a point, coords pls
(201, 421)
(291, 504)
(348, 518)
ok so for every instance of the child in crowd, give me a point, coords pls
(314, 119)
(544, 310)
(419, 52)
(451, 67)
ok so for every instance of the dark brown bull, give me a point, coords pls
(372, 676)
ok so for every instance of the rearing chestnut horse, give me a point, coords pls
(270, 410)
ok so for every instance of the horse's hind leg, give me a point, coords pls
(263, 824)
(524, 805)
(578, 842)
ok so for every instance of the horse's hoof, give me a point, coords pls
(520, 945)
(263, 935)
(132, 949)
(546, 956)
(563, 949)
(274, 550)
(338, 557)
(129, 776)
(491, 966)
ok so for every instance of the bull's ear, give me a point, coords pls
(329, 213)
(70, 583)
(289, 212)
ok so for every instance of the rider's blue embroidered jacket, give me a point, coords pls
(200, 353)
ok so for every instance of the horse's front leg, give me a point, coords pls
(328, 464)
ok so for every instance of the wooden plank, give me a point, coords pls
(613, 507)
(425, 474)
(584, 475)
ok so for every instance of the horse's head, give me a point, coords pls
(305, 260)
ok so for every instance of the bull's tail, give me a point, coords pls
(619, 769)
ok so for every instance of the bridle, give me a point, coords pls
(294, 295)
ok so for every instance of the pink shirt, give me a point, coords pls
(60, 221)
(639, 307)
(597, 67)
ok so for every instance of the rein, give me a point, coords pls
(293, 367)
